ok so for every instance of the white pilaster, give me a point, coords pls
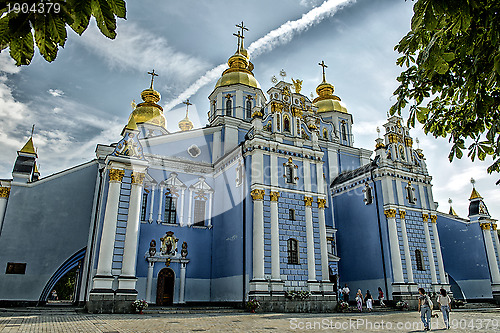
(160, 207)
(409, 268)
(430, 253)
(495, 237)
(311, 264)
(397, 267)
(490, 252)
(307, 175)
(104, 278)
(325, 274)
(182, 283)
(149, 281)
(152, 203)
(275, 246)
(437, 244)
(258, 234)
(127, 279)
(189, 221)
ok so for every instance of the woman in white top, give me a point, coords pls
(444, 301)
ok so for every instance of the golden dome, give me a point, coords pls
(185, 124)
(239, 71)
(326, 100)
(149, 112)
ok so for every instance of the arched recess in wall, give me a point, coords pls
(68, 265)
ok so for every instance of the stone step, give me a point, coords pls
(187, 309)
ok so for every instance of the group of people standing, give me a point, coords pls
(425, 304)
(367, 298)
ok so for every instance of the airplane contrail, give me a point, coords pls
(278, 36)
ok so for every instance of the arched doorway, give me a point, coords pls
(165, 287)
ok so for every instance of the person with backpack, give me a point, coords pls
(444, 301)
(425, 308)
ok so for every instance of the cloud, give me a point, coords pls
(56, 92)
(309, 3)
(287, 31)
(139, 49)
(7, 64)
(279, 36)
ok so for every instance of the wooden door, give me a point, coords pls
(165, 287)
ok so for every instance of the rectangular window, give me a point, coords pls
(199, 213)
(291, 214)
(144, 206)
(170, 210)
(293, 251)
(15, 268)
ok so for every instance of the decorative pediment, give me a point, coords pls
(173, 182)
(201, 186)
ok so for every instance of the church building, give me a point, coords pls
(270, 201)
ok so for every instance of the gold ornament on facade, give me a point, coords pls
(4, 192)
(485, 226)
(274, 196)
(308, 201)
(257, 194)
(138, 178)
(321, 203)
(390, 213)
(425, 217)
(296, 112)
(493, 226)
(434, 218)
(116, 175)
(286, 91)
(402, 214)
(408, 142)
(297, 84)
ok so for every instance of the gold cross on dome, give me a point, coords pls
(153, 74)
(322, 64)
(187, 104)
(240, 39)
(242, 27)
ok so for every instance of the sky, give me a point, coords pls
(83, 98)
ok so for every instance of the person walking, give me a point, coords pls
(425, 308)
(369, 301)
(444, 302)
(381, 297)
(359, 300)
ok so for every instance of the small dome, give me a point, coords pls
(239, 71)
(328, 105)
(238, 77)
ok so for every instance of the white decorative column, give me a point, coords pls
(276, 283)
(430, 253)
(127, 279)
(490, 252)
(327, 286)
(495, 237)
(312, 282)
(189, 222)
(409, 268)
(397, 267)
(4, 196)
(103, 280)
(258, 283)
(160, 206)
(149, 281)
(181, 212)
(152, 203)
(182, 283)
(437, 244)
(210, 196)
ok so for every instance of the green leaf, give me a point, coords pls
(105, 18)
(497, 63)
(22, 49)
(449, 56)
(82, 10)
(119, 8)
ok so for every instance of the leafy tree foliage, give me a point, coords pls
(451, 59)
(44, 22)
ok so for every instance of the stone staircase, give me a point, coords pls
(191, 309)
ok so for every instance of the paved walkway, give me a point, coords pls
(478, 320)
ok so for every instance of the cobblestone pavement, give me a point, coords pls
(486, 320)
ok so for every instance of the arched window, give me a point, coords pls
(170, 209)
(368, 194)
(344, 131)
(286, 124)
(325, 134)
(229, 107)
(144, 206)
(293, 251)
(249, 108)
(410, 191)
(419, 259)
